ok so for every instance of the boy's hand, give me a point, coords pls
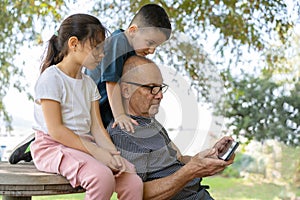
(125, 122)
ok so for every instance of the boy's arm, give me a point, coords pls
(115, 101)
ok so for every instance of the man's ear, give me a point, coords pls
(125, 91)
(132, 29)
(73, 42)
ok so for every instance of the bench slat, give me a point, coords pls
(24, 180)
(26, 173)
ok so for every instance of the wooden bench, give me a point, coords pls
(23, 180)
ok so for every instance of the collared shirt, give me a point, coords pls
(149, 149)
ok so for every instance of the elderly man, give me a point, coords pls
(165, 172)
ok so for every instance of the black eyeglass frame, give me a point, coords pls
(163, 88)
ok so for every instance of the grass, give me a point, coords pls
(221, 188)
(61, 197)
(79, 196)
(241, 189)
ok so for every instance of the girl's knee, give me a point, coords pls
(99, 183)
(129, 187)
(138, 183)
(103, 176)
(100, 177)
(132, 182)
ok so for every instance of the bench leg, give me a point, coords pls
(15, 198)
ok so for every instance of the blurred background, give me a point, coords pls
(233, 67)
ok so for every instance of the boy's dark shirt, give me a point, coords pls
(116, 51)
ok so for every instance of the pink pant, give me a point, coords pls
(83, 170)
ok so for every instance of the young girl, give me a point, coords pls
(70, 138)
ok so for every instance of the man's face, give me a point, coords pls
(145, 40)
(141, 101)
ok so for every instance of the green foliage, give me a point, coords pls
(265, 105)
(240, 161)
(18, 28)
(238, 22)
(231, 172)
(283, 59)
(260, 108)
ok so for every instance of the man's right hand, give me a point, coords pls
(206, 164)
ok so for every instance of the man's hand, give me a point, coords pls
(222, 144)
(205, 164)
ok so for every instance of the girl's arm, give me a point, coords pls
(102, 138)
(100, 134)
(115, 101)
(56, 129)
(60, 133)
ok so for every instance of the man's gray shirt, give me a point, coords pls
(149, 149)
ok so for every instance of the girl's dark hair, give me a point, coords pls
(83, 26)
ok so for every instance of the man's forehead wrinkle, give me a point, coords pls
(139, 72)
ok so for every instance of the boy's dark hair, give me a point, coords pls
(153, 15)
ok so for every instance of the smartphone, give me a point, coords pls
(231, 146)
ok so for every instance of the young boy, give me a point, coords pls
(149, 28)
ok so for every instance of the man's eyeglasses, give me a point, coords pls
(154, 89)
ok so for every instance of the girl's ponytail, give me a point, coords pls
(51, 54)
(82, 26)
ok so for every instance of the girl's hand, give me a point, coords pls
(107, 158)
(125, 122)
(121, 165)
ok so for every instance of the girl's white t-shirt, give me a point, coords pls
(74, 95)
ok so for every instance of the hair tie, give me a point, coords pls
(56, 33)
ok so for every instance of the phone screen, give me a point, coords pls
(231, 146)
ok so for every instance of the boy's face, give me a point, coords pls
(145, 40)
